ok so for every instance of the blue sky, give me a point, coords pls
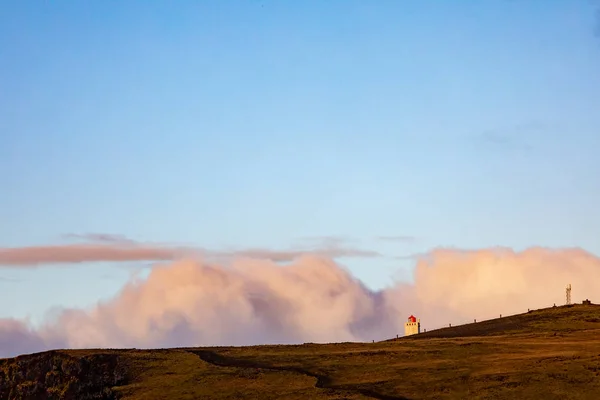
(254, 123)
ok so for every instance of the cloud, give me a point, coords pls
(398, 238)
(485, 283)
(111, 248)
(16, 337)
(79, 253)
(5, 279)
(516, 138)
(313, 299)
(99, 237)
(290, 255)
(505, 141)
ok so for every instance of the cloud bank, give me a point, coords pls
(314, 299)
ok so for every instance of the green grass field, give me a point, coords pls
(544, 354)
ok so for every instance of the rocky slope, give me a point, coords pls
(56, 375)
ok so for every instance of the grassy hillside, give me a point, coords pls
(537, 322)
(552, 353)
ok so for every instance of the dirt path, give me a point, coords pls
(322, 381)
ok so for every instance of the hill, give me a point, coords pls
(552, 320)
(551, 353)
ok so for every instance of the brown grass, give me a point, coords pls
(550, 354)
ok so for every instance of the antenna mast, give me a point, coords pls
(568, 294)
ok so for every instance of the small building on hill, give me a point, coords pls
(587, 302)
(412, 326)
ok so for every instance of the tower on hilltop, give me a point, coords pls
(413, 326)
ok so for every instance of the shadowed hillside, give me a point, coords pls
(61, 375)
(552, 354)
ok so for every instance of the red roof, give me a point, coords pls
(412, 319)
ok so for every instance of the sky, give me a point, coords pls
(393, 127)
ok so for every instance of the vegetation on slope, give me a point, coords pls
(553, 320)
(59, 375)
(551, 353)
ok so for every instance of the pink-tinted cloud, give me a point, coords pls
(485, 283)
(78, 253)
(252, 301)
(113, 248)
